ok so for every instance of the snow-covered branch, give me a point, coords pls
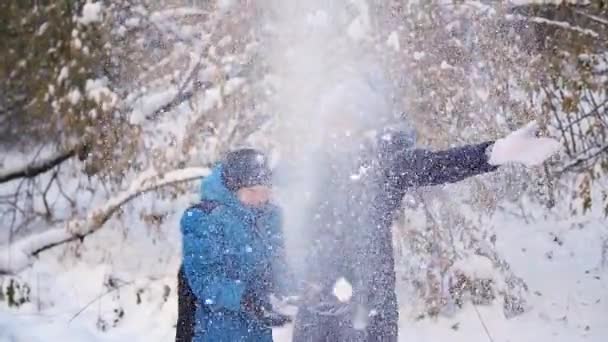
(185, 92)
(37, 167)
(595, 18)
(560, 24)
(17, 256)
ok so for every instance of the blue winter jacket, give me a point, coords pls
(227, 251)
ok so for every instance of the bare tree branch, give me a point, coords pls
(19, 255)
(583, 159)
(48, 213)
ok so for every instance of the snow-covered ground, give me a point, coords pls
(568, 292)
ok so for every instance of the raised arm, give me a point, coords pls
(407, 167)
(424, 167)
(417, 167)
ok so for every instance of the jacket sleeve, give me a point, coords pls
(419, 167)
(204, 263)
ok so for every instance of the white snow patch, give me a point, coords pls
(343, 290)
(476, 266)
(208, 74)
(483, 94)
(233, 84)
(77, 43)
(358, 29)
(445, 65)
(225, 5)
(132, 22)
(393, 41)
(224, 41)
(17, 328)
(63, 74)
(42, 29)
(91, 12)
(74, 96)
(418, 55)
(97, 90)
(211, 99)
(148, 104)
(317, 19)
(121, 31)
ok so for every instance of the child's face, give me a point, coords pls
(254, 196)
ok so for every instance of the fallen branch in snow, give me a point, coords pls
(17, 256)
(35, 168)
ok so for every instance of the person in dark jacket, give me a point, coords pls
(233, 253)
(360, 183)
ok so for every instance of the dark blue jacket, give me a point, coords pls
(227, 251)
(350, 233)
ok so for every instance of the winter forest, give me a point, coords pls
(111, 112)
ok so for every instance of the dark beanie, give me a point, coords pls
(244, 168)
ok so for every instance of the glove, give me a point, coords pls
(523, 146)
(262, 311)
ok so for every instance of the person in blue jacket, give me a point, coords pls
(233, 257)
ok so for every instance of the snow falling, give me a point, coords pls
(113, 111)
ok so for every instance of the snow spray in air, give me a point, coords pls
(329, 93)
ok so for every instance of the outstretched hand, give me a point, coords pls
(523, 146)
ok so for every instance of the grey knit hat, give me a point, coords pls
(245, 168)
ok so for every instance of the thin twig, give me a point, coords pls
(485, 327)
(98, 298)
(582, 160)
(62, 192)
(45, 193)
